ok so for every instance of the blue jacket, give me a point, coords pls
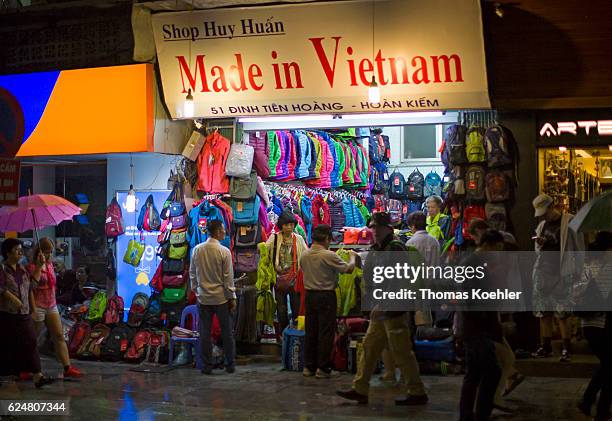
(199, 217)
(352, 214)
(306, 207)
(303, 154)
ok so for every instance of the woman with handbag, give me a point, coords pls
(287, 249)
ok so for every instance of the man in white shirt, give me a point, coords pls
(425, 243)
(212, 278)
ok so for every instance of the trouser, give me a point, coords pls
(482, 373)
(394, 334)
(227, 336)
(282, 309)
(320, 329)
(601, 345)
(505, 358)
(19, 349)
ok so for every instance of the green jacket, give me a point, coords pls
(266, 277)
(346, 293)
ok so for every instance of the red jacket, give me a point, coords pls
(211, 164)
(320, 212)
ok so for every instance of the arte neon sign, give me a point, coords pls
(600, 127)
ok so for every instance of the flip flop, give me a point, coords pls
(517, 379)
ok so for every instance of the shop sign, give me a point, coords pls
(130, 279)
(10, 170)
(319, 58)
(576, 128)
(569, 127)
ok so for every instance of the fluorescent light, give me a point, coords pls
(610, 147)
(392, 116)
(282, 119)
(562, 149)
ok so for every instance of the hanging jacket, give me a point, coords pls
(281, 165)
(266, 278)
(327, 166)
(346, 292)
(275, 151)
(348, 213)
(199, 217)
(261, 156)
(300, 228)
(341, 163)
(312, 169)
(365, 213)
(355, 163)
(292, 162)
(347, 176)
(264, 221)
(211, 164)
(228, 219)
(306, 208)
(365, 166)
(336, 214)
(286, 166)
(302, 169)
(317, 153)
(320, 212)
(333, 166)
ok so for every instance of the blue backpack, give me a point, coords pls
(433, 184)
(397, 184)
(246, 212)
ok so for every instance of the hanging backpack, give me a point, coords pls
(97, 307)
(416, 185)
(497, 186)
(244, 188)
(114, 310)
(113, 226)
(246, 259)
(139, 305)
(173, 295)
(178, 244)
(90, 348)
(475, 183)
(379, 178)
(239, 161)
(135, 352)
(433, 184)
(156, 350)
(247, 235)
(246, 212)
(475, 145)
(117, 343)
(153, 314)
(171, 314)
(397, 185)
(496, 216)
(501, 146)
(148, 218)
(455, 145)
(469, 213)
(77, 335)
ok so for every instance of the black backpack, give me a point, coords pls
(117, 343)
(397, 185)
(153, 315)
(171, 313)
(475, 183)
(415, 185)
(455, 146)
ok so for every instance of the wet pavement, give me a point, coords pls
(261, 391)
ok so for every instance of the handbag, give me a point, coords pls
(178, 237)
(178, 221)
(133, 253)
(173, 295)
(178, 251)
(173, 281)
(173, 267)
(194, 146)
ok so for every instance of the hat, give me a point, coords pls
(541, 204)
(381, 219)
(287, 217)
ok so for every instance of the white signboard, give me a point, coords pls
(320, 58)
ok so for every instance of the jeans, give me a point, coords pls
(393, 334)
(282, 309)
(320, 329)
(482, 374)
(227, 335)
(601, 345)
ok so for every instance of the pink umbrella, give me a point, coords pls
(35, 212)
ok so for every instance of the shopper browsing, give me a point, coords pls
(438, 225)
(287, 249)
(212, 278)
(19, 351)
(321, 268)
(46, 313)
(421, 240)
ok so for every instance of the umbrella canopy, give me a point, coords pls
(596, 215)
(35, 212)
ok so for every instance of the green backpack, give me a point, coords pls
(97, 307)
(173, 295)
(475, 145)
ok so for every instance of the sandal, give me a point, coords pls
(516, 379)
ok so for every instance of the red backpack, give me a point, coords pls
(136, 351)
(77, 335)
(114, 220)
(471, 212)
(114, 311)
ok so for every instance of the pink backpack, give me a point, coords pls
(114, 311)
(114, 220)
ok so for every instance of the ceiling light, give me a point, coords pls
(188, 105)
(562, 148)
(373, 92)
(499, 11)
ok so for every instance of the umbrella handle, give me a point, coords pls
(36, 236)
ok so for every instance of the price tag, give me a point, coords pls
(243, 231)
(411, 188)
(240, 206)
(396, 182)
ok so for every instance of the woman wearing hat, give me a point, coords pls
(287, 249)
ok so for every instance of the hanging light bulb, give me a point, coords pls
(130, 201)
(188, 105)
(373, 92)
